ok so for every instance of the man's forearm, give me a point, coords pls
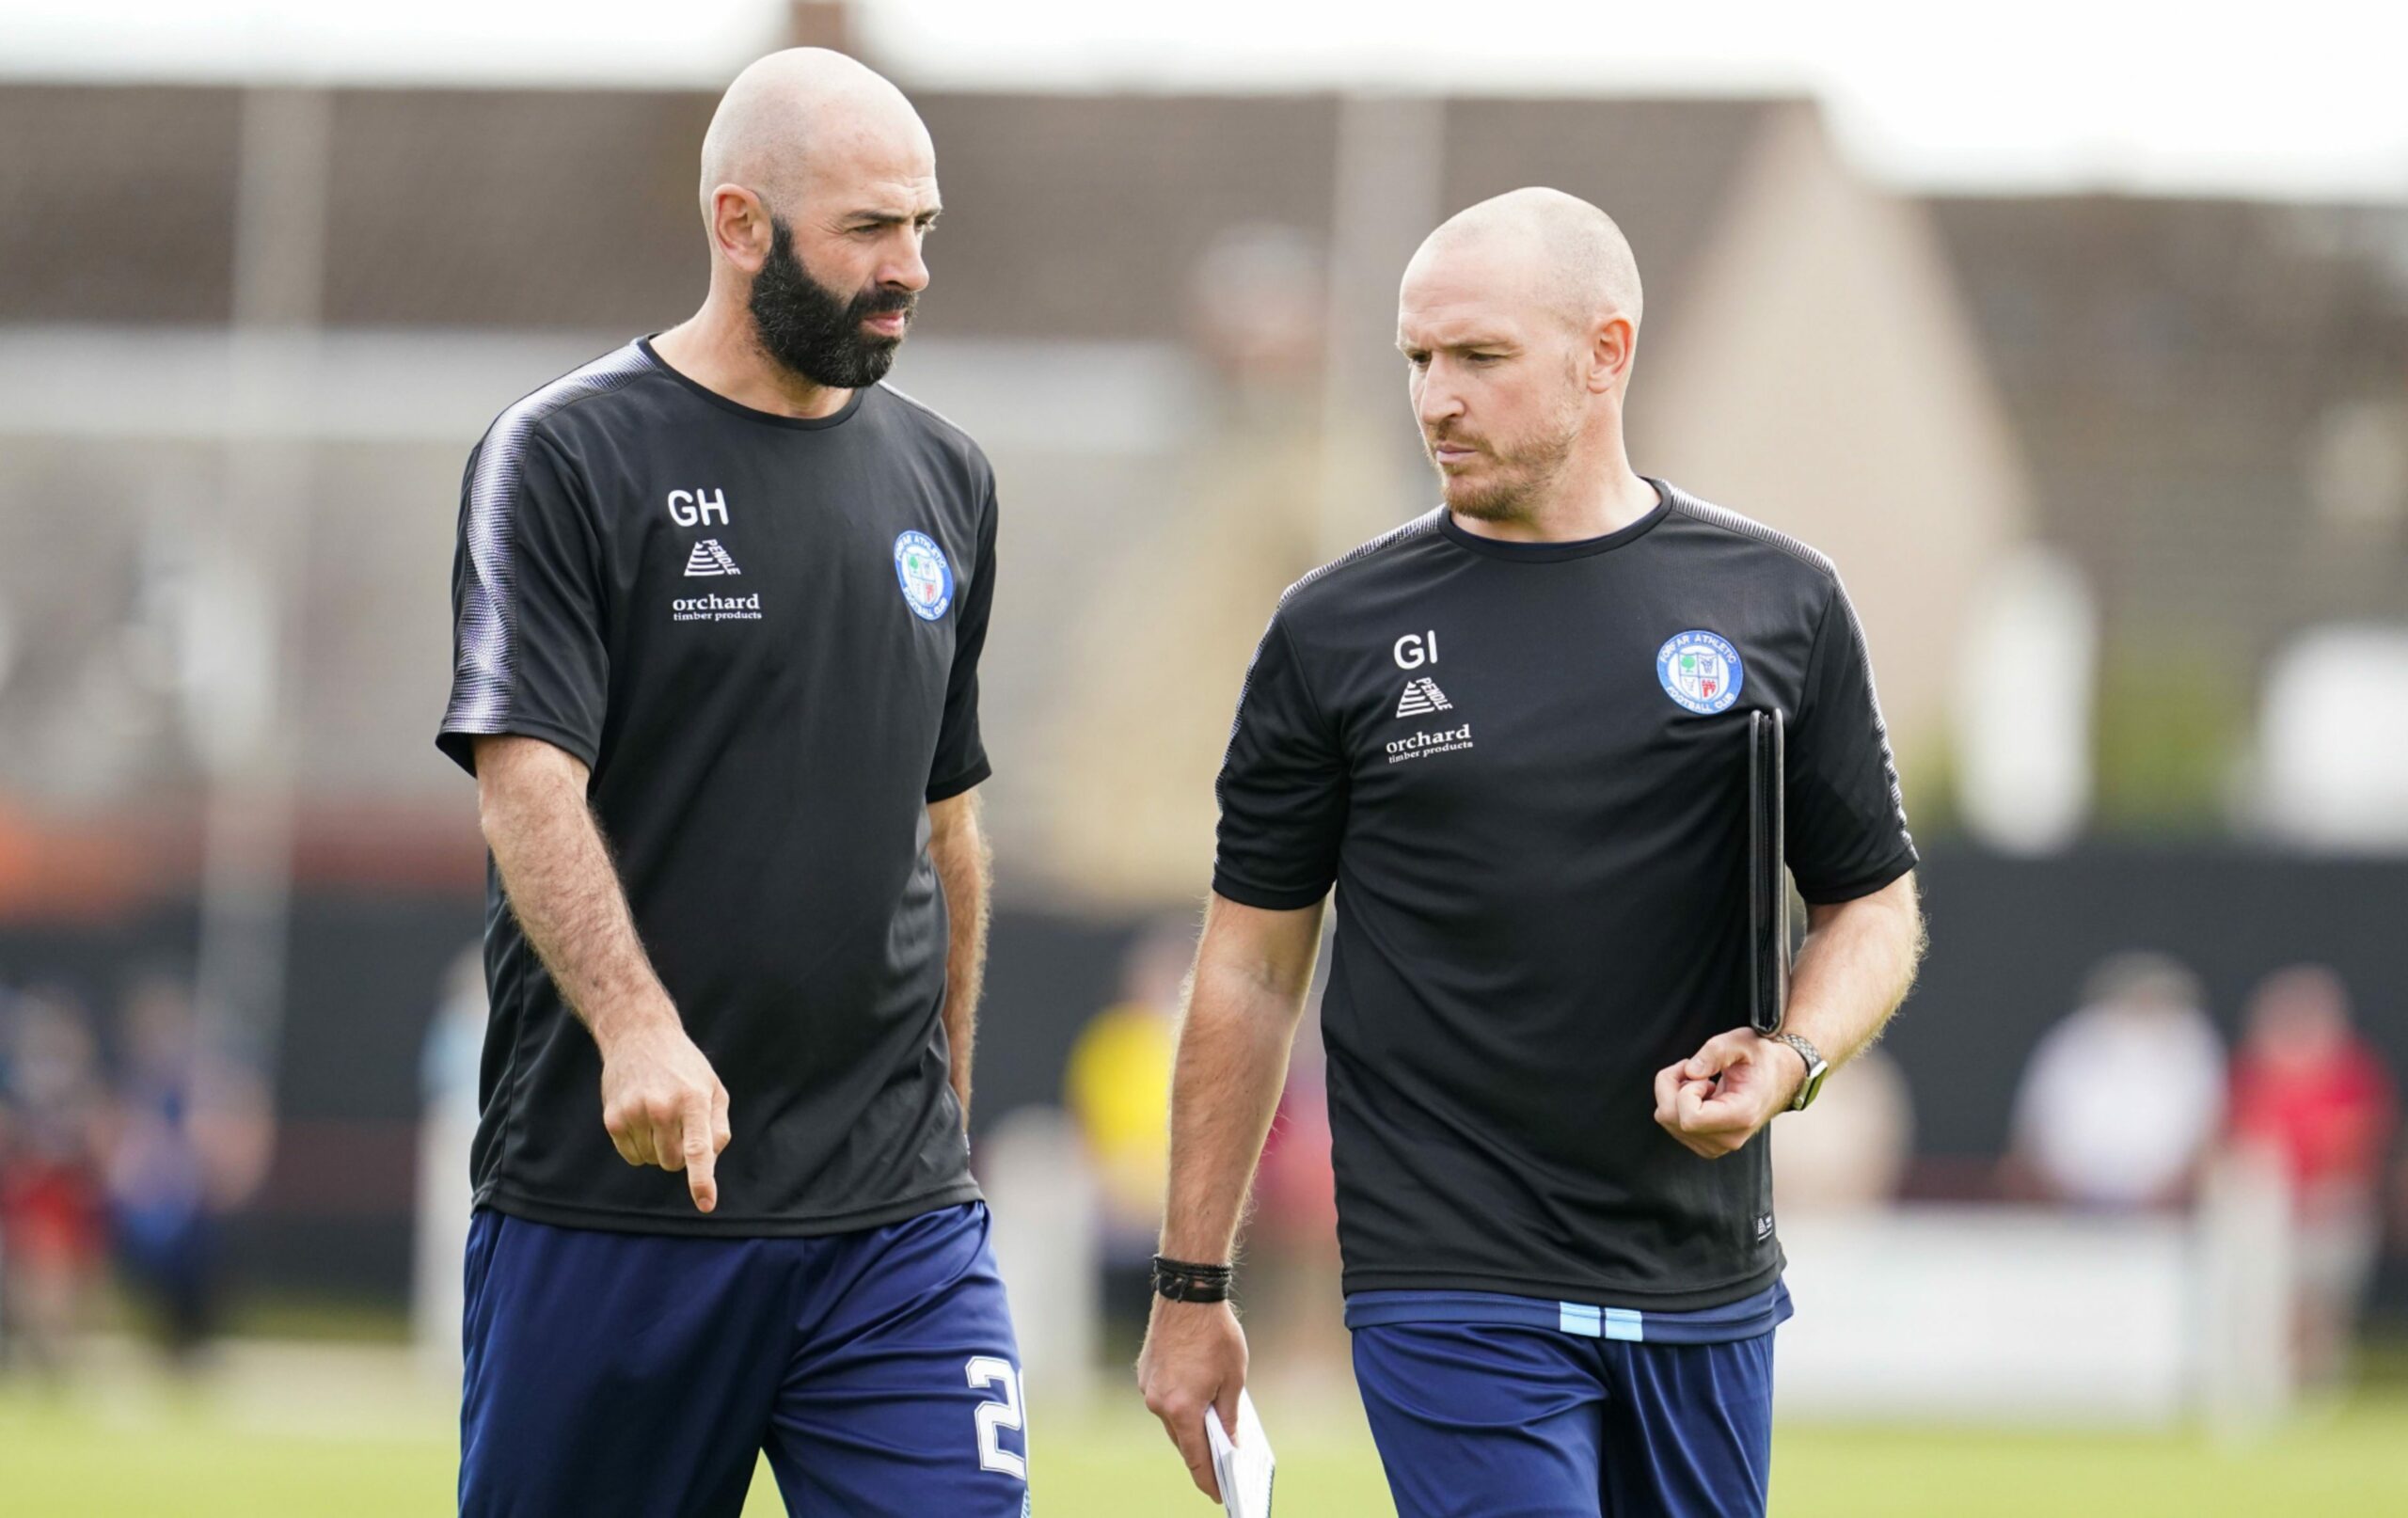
(563, 889)
(1232, 1063)
(1854, 968)
(965, 867)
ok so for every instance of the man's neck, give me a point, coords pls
(1583, 505)
(716, 349)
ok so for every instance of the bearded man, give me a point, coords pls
(718, 600)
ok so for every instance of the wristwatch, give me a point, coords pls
(1816, 1068)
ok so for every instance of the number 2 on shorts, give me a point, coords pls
(994, 1418)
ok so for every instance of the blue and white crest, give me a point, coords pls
(926, 580)
(1699, 670)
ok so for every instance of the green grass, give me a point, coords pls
(93, 1454)
(2346, 1464)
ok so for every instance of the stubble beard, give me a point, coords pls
(1513, 484)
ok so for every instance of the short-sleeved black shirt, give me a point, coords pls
(762, 634)
(1524, 767)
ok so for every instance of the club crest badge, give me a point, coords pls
(1699, 670)
(926, 580)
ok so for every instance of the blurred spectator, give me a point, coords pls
(1118, 1088)
(448, 1069)
(1291, 1282)
(8, 1085)
(191, 1144)
(2307, 1087)
(2122, 1099)
(1119, 1082)
(50, 1130)
(1294, 1192)
(1849, 1150)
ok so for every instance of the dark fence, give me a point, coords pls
(2012, 940)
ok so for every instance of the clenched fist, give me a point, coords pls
(1714, 1101)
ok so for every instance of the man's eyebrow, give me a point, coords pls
(1406, 344)
(895, 218)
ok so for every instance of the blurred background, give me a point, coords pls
(2077, 337)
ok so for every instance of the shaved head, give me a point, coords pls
(1545, 245)
(1519, 317)
(818, 186)
(806, 104)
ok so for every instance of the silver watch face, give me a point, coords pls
(1816, 1067)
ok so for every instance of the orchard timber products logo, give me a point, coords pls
(1699, 670)
(926, 580)
(715, 608)
(1422, 745)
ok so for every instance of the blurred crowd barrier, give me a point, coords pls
(2041, 1130)
(2123, 1217)
(2018, 1314)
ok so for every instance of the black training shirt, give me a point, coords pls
(762, 634)
(1524, 767)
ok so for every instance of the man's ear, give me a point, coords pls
(740, 230)
(1613, 344)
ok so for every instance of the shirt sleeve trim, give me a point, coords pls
(1862, 885)
(458, 739)
(485, 623)
(1270, 901)
(946, 790)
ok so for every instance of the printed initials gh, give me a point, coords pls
(688, 508)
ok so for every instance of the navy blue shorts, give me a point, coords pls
(1569, 1413)
(640, 1374)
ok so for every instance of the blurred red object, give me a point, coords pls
(2306, 1085)
(51, 1215)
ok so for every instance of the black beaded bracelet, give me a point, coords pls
(1180, 1280)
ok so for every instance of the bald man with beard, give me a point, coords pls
(719, 603)
(1513, 734)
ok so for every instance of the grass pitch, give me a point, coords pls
(305, 1438)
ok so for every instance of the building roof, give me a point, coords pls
(121, 203)
(1071, 217)
(2176, 372)
(464, 225)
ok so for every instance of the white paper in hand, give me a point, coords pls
(1243, 1469)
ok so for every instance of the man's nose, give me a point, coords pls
(909, 269)
(1435, 400)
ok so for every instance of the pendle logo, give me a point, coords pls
(1421, 697)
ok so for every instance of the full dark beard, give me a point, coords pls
(814, 330)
